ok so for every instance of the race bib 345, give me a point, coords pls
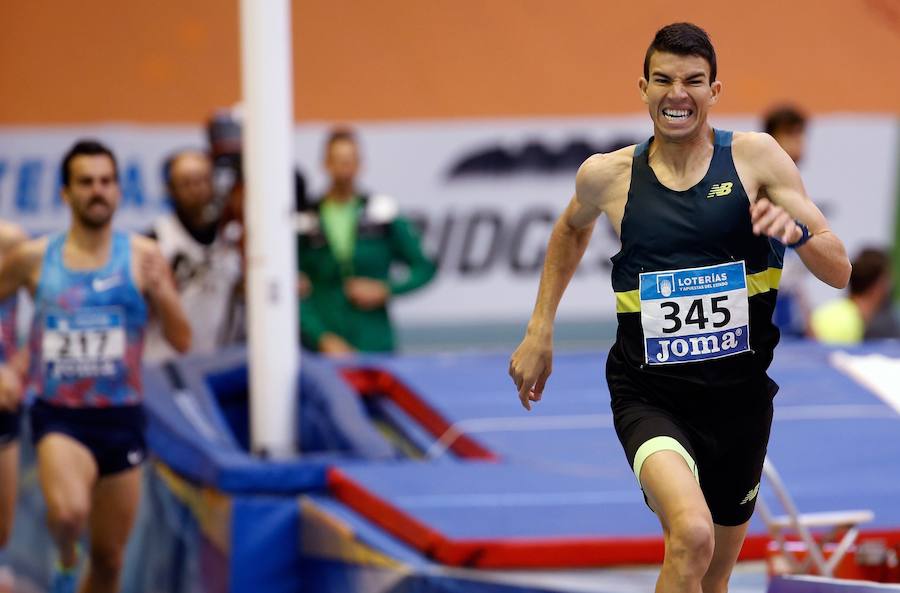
(695, 314)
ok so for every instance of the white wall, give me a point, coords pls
(850, 171)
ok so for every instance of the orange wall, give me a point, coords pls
(174, 60)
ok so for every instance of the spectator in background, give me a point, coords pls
(851, 319)
(203, 255)
(884, 325)
(348, 242)
(787, 124)
(225, 135)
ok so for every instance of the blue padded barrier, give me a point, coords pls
(188, 432)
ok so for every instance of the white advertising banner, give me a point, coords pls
(486, 191)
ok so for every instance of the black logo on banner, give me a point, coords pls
(478, 242)
(534, 157)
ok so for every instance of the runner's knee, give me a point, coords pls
(107, 561)
(691, 542)
(67, 517)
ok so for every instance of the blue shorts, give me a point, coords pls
(114, 436)
(10, 426)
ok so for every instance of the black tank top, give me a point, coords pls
(695, 288)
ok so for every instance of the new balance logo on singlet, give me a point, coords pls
(720, 189)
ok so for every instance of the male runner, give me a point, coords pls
(11, 370)
(703, 216)
(91, 288)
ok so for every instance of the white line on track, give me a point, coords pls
(473, 426)
(507, 499)
(832, 412)
(878, 373)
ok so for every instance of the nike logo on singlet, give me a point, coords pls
(104, 284)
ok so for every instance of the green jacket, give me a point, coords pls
(382, 239)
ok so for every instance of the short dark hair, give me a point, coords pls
(868, 267)
(783, 117)
(683, 39)
(86, 148)
(339, 134)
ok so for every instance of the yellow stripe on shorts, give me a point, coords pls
(657, 444)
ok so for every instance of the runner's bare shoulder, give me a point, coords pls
(30, 252)
(756, 156)
(600, 175)
(23, 261)
(753, 140)
(10, 235)
(753, 145)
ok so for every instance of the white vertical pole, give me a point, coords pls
(271, 258)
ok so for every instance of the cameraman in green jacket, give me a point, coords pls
(348, 242)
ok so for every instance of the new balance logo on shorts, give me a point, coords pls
(720, 189)
(751, 495)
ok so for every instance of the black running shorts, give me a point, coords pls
(722, 435)
(10, 422)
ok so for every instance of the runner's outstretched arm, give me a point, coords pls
(531, 363)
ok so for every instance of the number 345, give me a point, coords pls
(696, 314)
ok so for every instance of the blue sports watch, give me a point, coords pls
(803, 238)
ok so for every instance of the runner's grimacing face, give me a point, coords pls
(93, 191)
(678, 94)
